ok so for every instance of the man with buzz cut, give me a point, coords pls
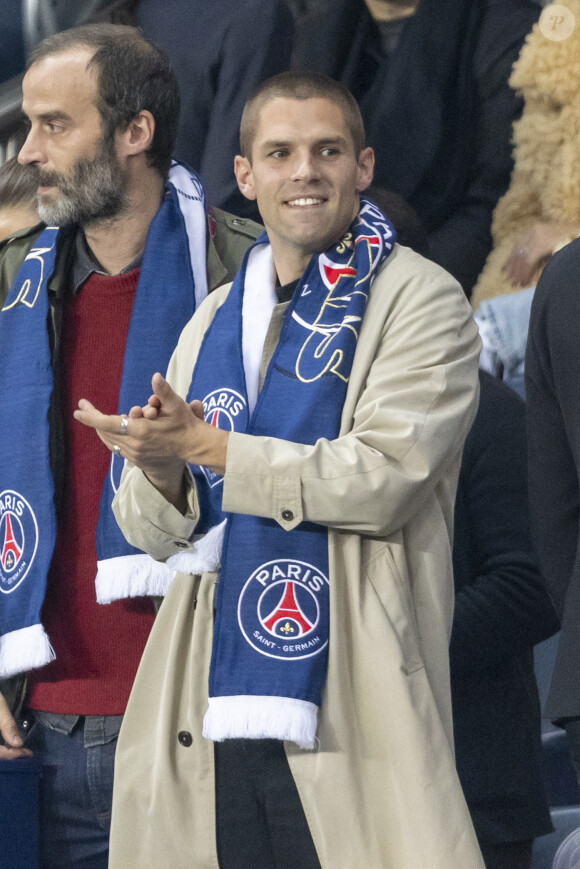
(90, 299)
(297, 469)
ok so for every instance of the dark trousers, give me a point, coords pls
(260, 819)
(508, 855)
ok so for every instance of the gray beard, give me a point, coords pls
(93, 190)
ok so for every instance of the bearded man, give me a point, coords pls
(90, 299)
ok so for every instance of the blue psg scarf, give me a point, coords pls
(165, 300)
(272, 625)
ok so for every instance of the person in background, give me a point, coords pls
(12, 56)
(540, 212)
(553, 414)
(220, 52)
(17, 198)
(501, 611)
(432, 84)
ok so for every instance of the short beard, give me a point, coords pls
(93, 190)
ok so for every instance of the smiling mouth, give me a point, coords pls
(303, 201)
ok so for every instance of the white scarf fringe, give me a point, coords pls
(141, 576)
(24, 649)
(261, 717)
(131, 576)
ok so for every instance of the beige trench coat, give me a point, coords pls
(380, 791)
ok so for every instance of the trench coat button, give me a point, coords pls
(237, 221)
(287, 515)
(181, 544)
(185, 738)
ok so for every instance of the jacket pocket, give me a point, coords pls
(393, 593)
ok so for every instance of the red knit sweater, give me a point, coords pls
(97, 647)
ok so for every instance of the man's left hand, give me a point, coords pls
(161, 436)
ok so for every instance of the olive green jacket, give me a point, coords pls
(228, 239)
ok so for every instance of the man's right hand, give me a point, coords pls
(10, 735)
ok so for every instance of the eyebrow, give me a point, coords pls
(283, 143)
(56, 115)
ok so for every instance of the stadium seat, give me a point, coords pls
(566, 820)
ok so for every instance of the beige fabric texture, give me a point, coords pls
(380, 790)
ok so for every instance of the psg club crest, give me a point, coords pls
(283, 609)
(222, 408)
(18, 540)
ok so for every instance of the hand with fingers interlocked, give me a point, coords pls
(160, 437)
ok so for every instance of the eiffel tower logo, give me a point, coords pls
(287, 608)
(11, 551)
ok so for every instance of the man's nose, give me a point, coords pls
(305, 167)
(30, 151)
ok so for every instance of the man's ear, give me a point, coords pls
(244, 176)
(137, 137)
(365, 169)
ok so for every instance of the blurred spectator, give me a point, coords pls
(11, 39)
(437, 108)
(540, 212)
(553, 398)
(410, 230)
(308, 15)
(501, 611)
(220, 52)
(17, 198)
(23, 24)
(503, 326)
